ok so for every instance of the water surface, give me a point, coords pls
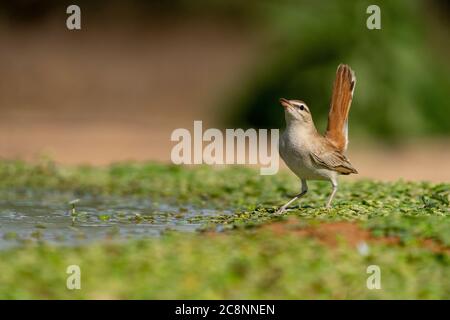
(49, 217)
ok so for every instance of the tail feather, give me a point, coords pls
(344, 85)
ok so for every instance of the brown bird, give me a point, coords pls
(310, 155)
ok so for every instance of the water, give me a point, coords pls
(35, 218)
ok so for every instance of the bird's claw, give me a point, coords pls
(280, 211)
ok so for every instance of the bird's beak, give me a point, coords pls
(285, 103)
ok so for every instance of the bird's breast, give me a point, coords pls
(295, 152)
(292, 151)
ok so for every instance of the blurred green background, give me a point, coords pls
(402, 69)
(137, 70)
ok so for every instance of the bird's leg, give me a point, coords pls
(333, 192)
(301, 194)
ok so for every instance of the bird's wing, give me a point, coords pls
(332, 159)
(343, 87)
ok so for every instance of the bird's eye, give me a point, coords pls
(301, 107)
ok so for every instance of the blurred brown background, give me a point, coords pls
(116, 89)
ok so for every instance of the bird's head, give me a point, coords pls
(296, 111)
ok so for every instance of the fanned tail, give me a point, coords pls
(337, 129)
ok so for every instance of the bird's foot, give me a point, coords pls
(280, 211)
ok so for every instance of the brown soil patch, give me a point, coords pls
(334, 233)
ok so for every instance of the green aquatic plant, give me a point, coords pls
(236, 255)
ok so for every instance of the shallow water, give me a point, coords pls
(49, 218)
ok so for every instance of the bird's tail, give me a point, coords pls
(344, 85)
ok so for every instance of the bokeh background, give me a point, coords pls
(115, 90)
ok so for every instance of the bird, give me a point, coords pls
(307, 153)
